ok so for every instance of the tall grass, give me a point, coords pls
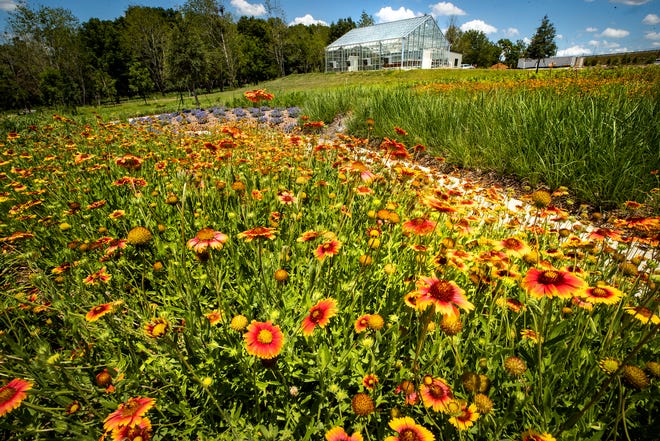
(602, 146)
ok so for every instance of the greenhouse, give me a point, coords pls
(414, 43)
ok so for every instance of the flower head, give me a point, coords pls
(139, 236)
(418, 226)
(157, 327)
(362, 323)
(533, 435)
(12, 393)
(465, 417)
(436, 393)
(408, 430)
(370, 381)
(100, 310)
(129, 413)
(444, 295)
(263, 339)
(257, 233)
(140, 431)
(643, 314)
(205, 238)
(330, 248)
(602, 294)
(238, 323)
(338, 434)
(362, 404)
(551, 283)
(319, 315)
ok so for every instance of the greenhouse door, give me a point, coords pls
(353, 63)
(427, 59)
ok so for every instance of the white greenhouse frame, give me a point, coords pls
(414, 43)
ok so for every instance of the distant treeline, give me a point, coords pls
(49, 58)
(623, 59)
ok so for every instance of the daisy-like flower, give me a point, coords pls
(140, 431)
(12, 393)
(609, 365)
(514, 246)
(418, 226)
(207, 238)
(130, 162)
(214, 317)
(533, 435)
(436, 393)
(319, 315)
(370, 381)
(99, 276)
(308, 236)
(117, 214)
(466, 417)
(444, 295)
(129, 413)
(362, 323)
(408, 430)
(157, 327)
(100, 310)
(257, 233)
(552, 283)
(338, 434)
(529, 334)
(263, 339)
(287, 198)
(330, 248)
(643, 314)
(602, 294)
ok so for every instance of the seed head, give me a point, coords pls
(635, 377)
(139, 236)
(362, 404)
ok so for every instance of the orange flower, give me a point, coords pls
(100, 275)
(362, 323)
(444, 295)
(257, 233)
(436, 393)
(214, 317)
(12, 394)
(370, 381)
(338, 434)
(258, 95)
(129, 413)
(157, 327)
(287, 198)
(408, 430)
(207, 237)
(263, 339)
(418, 226)
(320, 315)
(330, 248)
(533, 435)
(100, 310)
(552, 282)
(140, 431)
(466, 418)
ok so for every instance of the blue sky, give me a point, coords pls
(583, 26)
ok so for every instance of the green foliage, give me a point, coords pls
(543, 42)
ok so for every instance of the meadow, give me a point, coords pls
(169, 278)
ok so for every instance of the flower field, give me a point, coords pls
(243, 283)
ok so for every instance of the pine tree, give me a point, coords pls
(543, 42)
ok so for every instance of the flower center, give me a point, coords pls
(159, 329)
(441, 291)
(599, 292)
(265, 337)
(549, 277)
(408, 435)
(316, 316)
(205, 234)
(436, 391)
(644, 312)
(130, 408)
(6, 394)
(511, 243)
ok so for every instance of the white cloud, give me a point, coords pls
(656, 44)
(651, 19)
(591, 29)
(510, 32)
(652, 36)
(245, 8)
(388, 14)
(527, 40)
(560, 36)
(7, 5)
(604, 45)
(478, 25)
(631, 2)
(573, 51)
(614, 33)
(446, 8)
(307, 20)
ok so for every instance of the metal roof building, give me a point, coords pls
(413, 43)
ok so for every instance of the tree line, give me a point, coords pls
(49, 58)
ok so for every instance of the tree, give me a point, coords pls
(342, 26)
(453, 34)
(365, 20)
(186, 60)
(543, 42)
(510, 52)
(477, 49)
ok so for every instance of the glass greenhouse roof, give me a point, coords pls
(383, 31)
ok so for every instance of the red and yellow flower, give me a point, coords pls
(338, 434)
(602, 293)
(436, 393)
(330, 248)
(408, 430)
(551, 283)
(319, 315)
(465, 417)
(533, 435)
(207, 238)
(257, 233)
(12, 394)
(418, 226)
(100, 310)
(129, 413)
(263, 339)
(443, 295)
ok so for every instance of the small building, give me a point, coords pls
(455, 59)
(413, 43)
(551, 62)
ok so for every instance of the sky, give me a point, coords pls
(583, 27)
